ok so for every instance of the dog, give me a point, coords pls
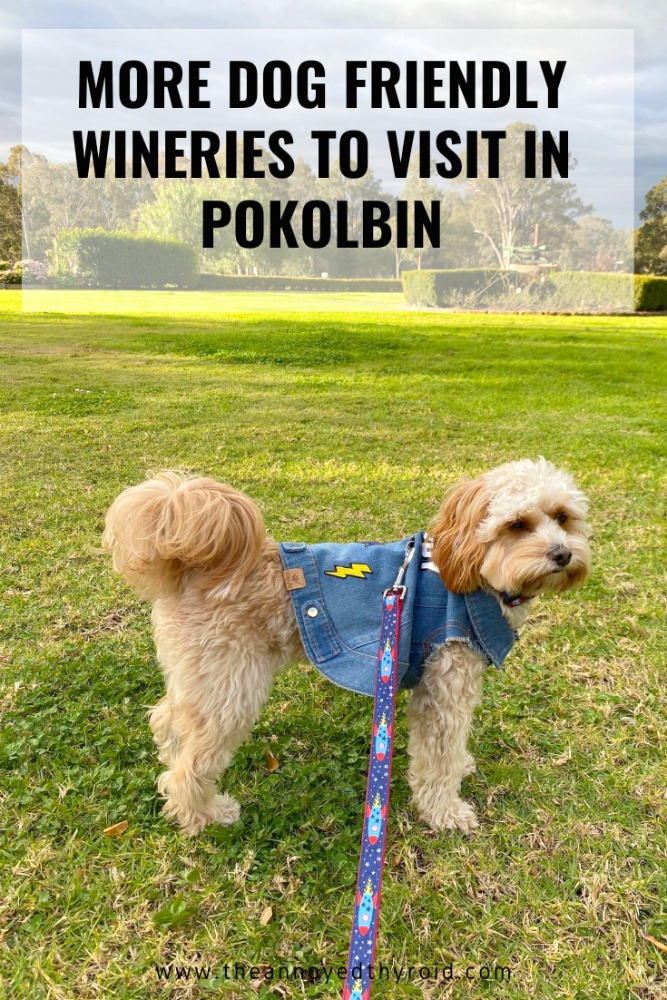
(231, 607)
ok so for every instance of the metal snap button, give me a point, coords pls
(312, 612)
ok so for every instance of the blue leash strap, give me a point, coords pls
(363, 937)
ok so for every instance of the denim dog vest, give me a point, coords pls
(336, 592)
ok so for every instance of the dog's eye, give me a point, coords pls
(518, 525)
(561, 518)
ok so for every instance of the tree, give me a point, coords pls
(52, 197)
(651, 242)
(505, 211)
(350, 262)
(34, 214)
(115, 198)
(596, 246)
(418, 189)
(10, 217)
(175, 212)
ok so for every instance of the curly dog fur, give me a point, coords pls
(224, 623)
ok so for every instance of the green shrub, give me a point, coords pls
(574, 291)
(281, 283)
(419, 288)
(28, 272)
(99, 259)
(650, 293)
(591, 291)
(10, 275)
(449, 288)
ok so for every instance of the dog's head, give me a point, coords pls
(519, 529)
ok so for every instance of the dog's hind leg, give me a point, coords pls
(439, 715)
(211, 714)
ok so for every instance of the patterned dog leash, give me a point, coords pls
(363, 938)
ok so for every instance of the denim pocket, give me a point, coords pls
(318, 632)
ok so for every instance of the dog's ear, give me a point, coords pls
(457, 551)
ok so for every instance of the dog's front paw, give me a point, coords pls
(224, 810)
(454, 815)
(221, 809)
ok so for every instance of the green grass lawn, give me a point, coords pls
(50, 300)
(342, 424)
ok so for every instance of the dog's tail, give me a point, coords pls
(167, 527)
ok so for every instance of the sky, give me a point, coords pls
(644, 16)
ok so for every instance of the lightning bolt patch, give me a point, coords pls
(358, 570)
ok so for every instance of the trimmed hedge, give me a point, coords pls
(650, 293)
(444, 288)
(593, 291)
(282, 283)
(574, 291)
(100, 259)
(610, 292)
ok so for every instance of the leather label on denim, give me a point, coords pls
(294, 579)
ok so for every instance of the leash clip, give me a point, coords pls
(398, 587)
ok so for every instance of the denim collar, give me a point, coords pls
(493, 633)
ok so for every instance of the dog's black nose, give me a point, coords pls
(560, 555)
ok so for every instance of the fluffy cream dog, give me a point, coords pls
(224, 621)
